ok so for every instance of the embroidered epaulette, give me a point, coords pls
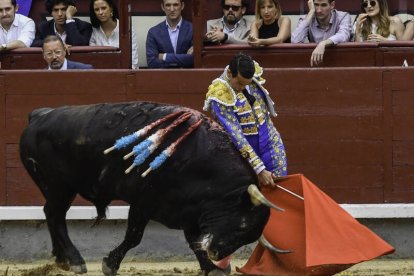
(258, 72)
(220, 92)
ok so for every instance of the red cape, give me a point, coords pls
(324, 238)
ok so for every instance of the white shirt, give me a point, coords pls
(62, 36)
(226, 30)
(173, 33)
(22, 29)
(99, 38)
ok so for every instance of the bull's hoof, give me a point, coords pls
(220, 272)
(79, 269)
(227, 270)
(107, 271)
(63, 265)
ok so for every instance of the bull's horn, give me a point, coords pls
(269, 246)
(258, 198)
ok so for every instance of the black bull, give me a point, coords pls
(200, 189)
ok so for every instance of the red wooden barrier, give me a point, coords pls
(348, 130)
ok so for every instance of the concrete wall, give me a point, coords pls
(29, 240)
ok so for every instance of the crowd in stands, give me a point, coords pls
(170, 43)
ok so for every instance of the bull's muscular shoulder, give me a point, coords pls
(220, 91)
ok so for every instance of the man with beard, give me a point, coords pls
(17, 31)
(54, 53)
(324, 25)
(170, 43)
(232, 27)
(72, 31)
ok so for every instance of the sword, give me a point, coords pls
(276, 178)
(290, 192)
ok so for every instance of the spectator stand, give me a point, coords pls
(101, 57)
(144, 14)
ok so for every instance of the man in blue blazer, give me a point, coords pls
(170, 43)
(54, 53)
(72, 31)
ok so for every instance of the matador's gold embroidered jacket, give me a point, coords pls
(249, 125)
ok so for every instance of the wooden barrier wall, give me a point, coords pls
(351, 131)
(288, 55)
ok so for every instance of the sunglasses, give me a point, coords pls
(233, 7)
(371, 3)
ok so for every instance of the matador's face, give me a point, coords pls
(238, 83)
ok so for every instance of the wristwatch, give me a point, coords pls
(3, 46)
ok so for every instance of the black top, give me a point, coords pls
(272, 30)
(78, 33)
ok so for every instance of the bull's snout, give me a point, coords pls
(204, 243)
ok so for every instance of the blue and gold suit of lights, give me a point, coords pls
(249, 125)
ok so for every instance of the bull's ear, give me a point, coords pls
(258, 198)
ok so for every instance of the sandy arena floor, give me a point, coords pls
(372, 268)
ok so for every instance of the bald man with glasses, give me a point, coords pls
(233, 27)
(54, 53)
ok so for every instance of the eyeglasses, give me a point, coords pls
(56, 53)
(233, 7)
(371, 3)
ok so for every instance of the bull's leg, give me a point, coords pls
(206, 264)
(58, 201)
(135, 230)
(63, 248)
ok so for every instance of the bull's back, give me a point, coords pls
(84, 132)
(64, 147)
(93, 126)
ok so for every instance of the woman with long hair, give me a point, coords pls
(375, 24)
(105, 32)
(270, 26)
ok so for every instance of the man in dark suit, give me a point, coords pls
(72, 31)
(54, 53)
(170, 43)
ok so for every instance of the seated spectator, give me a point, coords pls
(17, 31)
(105, 32)
(409, 30)
(233, 27)
(324, 25)
(54, 53)
(375, 25)
(170, 43)
(270, 27)
(72, 31)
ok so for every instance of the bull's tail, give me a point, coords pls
(39, 112)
